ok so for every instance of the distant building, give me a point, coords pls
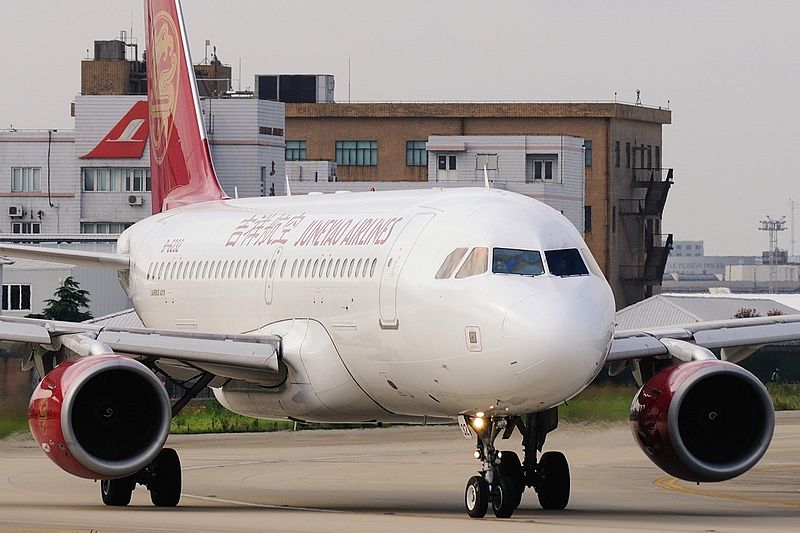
(687, 249)
(598, 163)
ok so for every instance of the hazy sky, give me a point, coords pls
(730, 71)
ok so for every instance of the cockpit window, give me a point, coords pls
(522, 262)
(476, 263)
(450, 263)
(566, 262)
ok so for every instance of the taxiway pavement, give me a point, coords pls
(408, 479)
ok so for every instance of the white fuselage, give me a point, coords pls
(350, 283)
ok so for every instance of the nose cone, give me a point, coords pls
(565, 332)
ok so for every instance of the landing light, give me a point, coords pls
(478, 423)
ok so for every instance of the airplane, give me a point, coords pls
(473, 304)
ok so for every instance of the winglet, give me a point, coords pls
(486, 177)
(288, 189)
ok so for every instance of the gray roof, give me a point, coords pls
(121, 319)
(672, 309)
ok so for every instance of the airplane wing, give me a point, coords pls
(254, 358)
(72, 257)
(735, 338)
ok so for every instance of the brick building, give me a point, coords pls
(625, 184)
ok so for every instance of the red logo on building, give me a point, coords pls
(127, 139)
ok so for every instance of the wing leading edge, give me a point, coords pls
(737, 338)
(254, 358)
(72, 257)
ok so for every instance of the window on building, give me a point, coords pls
(616, 154)
(16, 297)
(658, 157)
(112, 228)
(416, 154)
(649, 156)
(357, 153)
(26, 227)
(540, 168)
(296, 151)
(587, 219)
(627, 155)
(99, 179)
(587, 152)
(26, 179)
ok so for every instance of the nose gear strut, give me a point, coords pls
(503, 478)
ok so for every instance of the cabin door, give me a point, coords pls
(393, 267)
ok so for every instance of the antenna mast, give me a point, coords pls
(773, 226)
(792, 206)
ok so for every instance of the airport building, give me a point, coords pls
(600, 164)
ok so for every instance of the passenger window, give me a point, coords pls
(565, 263)
(475, 263)
(372, 268)
(344, 266)
(250, 271)
(193, 270)
(358, 268)
(521, 262)
(366, 266)
(261, 266)
(271, 267)
(350, 268)
(229, 272)
(450, 263)
(300, 268)
(308, 269)
(264, 269)
(314, 270)
(330, 267)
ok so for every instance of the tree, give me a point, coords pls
(746, 312)
(775, 312)
(66, 303)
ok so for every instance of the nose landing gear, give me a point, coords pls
(503, 478)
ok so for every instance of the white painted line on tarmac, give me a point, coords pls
(259, 505)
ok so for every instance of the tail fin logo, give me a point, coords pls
(165, 69)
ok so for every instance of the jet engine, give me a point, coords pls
(100, 417)
(703, 420)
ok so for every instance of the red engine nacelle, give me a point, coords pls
(100, 417)
(703, 420)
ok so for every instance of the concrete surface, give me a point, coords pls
(401, 479)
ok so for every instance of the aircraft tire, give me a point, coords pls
(476, 497)
(554, 486)
(117, 492)
(505, 497)
(165, 488)
(511, 467)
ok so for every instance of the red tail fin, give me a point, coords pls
(180, 160)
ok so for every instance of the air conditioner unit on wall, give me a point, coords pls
(15, 211)
(135, 200)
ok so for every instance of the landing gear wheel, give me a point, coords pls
(505, 498)
(476, 497)
(117, 492)
(165, 485)
(512, 468)
(553, 488)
